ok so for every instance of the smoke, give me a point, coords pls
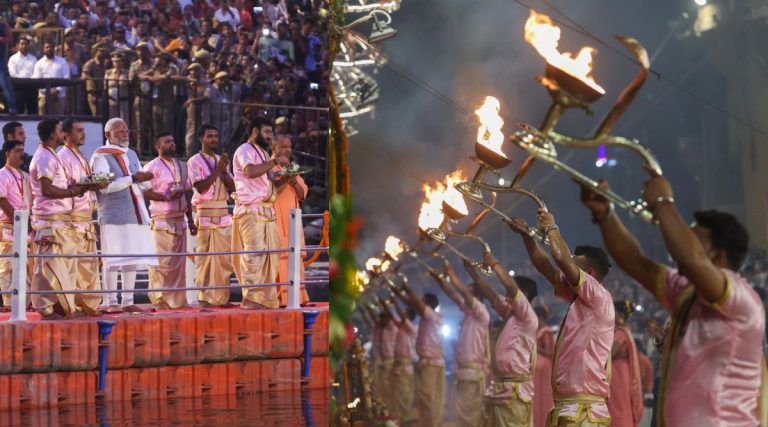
(468, 50)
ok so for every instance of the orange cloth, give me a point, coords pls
(287, 200)
(625, 404)
(542, 378)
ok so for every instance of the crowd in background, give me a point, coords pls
(171, 65)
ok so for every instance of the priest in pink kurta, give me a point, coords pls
(52, 196)
(78, 169)
(254, 223)
(542, 379)
(581, 362)
(712, 364)
(212, 187)
(168, 206)
(15, 194)
(625, 404)
(509, 397)
(291, 190)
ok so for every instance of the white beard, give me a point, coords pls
(124, 143)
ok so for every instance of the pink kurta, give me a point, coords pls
(516, 343)
(584, 344)
(542, 379)
(201, 167)
(714, 374)
(166, 176)
(249, 191)
(472, 346)
(13, 183)
(388, 339)
(406, 340)
(625, 403)
(77, 168)
(47, 164)
(429, 340)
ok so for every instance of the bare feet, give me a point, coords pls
(250, 305)
(52, 316)
(114, 308)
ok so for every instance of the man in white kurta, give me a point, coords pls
(123, 216)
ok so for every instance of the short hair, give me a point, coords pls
(540, 312)
(597, 259)
(726, 233)
(10, 128)
(10, 145)
(68, 124)
(527, 286)
(46, 128)
(431, 300)
(760, 292)
(205, 128)
(161, 135)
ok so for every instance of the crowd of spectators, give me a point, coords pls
(171, 65)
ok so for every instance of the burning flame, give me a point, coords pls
(376, 265)
(392, 247)
(489, 132)
(431, 214)
(361, 278)
(544, 36)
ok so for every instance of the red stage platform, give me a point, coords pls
(168, 354)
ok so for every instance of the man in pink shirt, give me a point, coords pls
(14, 195)
(77, 169)
(712, 360)
(52, 223)
(581, 363)
(430, 370)
(254, 223)
(402, 386)
(473, 352)
(386, 355)
(509, 398)
(168, 205)
(212, 187)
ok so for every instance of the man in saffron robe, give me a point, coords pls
(291, 191)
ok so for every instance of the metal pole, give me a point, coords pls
(19, 266)
(295, 264)
(309, 320)
(105, 328)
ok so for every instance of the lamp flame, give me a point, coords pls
(376, 265)
(489, 132)
(544, 36)
(392, 247)
(431, 213)
(362, 279)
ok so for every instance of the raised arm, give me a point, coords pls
(412, 300)
(558, 247)
(485, 288)
(506, 280)
(442, 281)
(539, 259)
(400, 312)
(683, 245)
(462, 290)
(620, 243)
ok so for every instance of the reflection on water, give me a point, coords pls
(266, 409)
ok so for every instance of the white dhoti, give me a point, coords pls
(125, 239)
